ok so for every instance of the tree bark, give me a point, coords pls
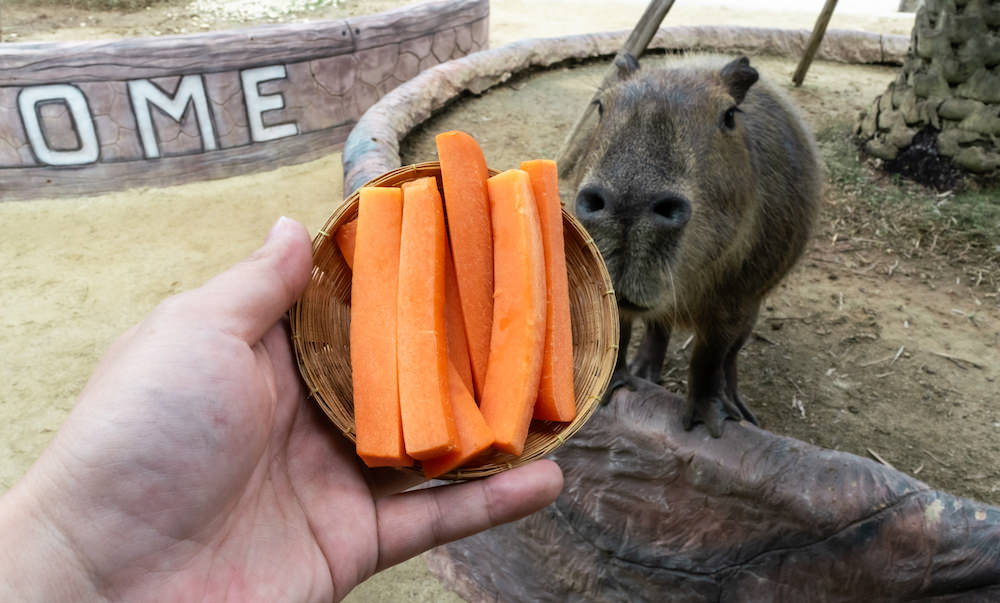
(651, 512)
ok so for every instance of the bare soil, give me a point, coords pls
(53, 20)
(60, 20)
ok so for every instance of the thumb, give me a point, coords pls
(250, 297)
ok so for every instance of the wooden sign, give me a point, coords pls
(88, 117)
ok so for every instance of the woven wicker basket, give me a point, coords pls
(320, 324)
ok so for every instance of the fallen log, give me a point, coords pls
(651, 512)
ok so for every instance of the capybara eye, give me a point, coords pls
(729, 118)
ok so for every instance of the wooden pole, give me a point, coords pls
(819, 30)
(635, 45)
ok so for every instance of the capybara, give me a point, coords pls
(700, 189)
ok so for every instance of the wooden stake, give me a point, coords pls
(635, 45)
(819, 30)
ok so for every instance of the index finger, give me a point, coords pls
(384, 481)
(416, 521)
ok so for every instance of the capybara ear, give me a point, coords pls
(738, 76)
(626, 64)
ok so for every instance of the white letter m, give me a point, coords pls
(190, 90)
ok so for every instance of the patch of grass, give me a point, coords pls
(896, 211)
(976, 213)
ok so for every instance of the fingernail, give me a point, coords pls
(281, 224)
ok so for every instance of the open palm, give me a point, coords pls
(193, 467)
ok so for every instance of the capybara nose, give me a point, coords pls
(671, 211)
(593, 202)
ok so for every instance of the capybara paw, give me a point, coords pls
(748, 416)
(619, 378)
(744, 410)
(712, 411)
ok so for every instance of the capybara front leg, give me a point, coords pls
(732, 379)
(648, 361)
(620, 377)
(707, 401)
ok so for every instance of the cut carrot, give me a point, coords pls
(346, 237)
(518, 328)
(474, 435)
(424, 398)
(556, 401)
(458, 346)
(464, 174)
(373, 329)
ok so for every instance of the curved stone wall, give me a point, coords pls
(373, 146)
(87, 117)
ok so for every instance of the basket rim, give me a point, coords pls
(608, 330)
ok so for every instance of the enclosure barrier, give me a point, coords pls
(80, 118)
(373, 146)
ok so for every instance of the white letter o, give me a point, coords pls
(27, 103)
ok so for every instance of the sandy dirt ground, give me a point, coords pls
(863, 349)
(34, 20)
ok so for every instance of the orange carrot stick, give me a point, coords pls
(518, 330)
(556, 401)
(346, 237)
(428, 422)
(464, 174)
(373, 329)
(474, 435)
(458, 345)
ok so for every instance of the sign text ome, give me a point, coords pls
(146, 96)
(79, 118)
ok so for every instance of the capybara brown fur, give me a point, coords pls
(700, 189)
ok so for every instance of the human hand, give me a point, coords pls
(193, 466)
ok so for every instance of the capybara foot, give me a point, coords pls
(713, 412)
(648, 362)
(619, 378)
(744, 409)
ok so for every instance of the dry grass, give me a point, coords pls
(872, 210)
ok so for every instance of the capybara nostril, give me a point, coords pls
(592, 200)
(671, 211)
